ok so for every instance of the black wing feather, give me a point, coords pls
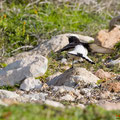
(67, 47)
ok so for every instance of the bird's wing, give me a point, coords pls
(99, 49)
(67, 47)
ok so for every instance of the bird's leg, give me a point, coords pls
(72, 63)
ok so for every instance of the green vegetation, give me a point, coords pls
(22, 27)
(43, 112)
(10, 88)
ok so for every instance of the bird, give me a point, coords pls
(77, 49)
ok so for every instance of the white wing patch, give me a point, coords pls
(81, 51)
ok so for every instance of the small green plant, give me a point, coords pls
(10, 88)
(2, 65)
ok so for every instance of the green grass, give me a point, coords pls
(43, 112)
(21, 25)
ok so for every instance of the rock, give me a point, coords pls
(30, 83)
(105, 95)
(109, 39)
(68, 97)
(8, 94)
(103, 75)
(35, 96)
(64, 61)
(114, 87)
(86, 91)
(44, 87)
(82, 38)
(54, 103)
(113, 62)
(64, 89)
(10, 97)
(53, 76)
(54, 44)
(73, 76)
(111, 106)
(21, 56)
(32, 66)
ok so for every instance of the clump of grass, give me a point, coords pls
(10, 88)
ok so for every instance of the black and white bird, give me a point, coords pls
(77, 49)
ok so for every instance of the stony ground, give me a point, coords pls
(78, 86)
(41, 80)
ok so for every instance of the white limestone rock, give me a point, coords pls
(74, 76)
(16, 72)
(8, 94)
(30, 83)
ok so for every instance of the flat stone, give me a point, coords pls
(31, 83)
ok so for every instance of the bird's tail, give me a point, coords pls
(86, 58)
